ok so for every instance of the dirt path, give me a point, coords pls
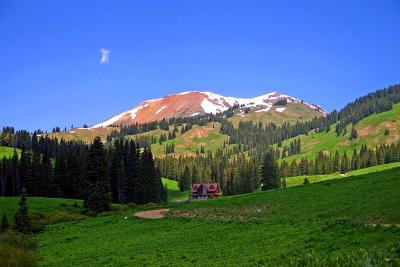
(152, 214)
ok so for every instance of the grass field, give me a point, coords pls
(370, 131)
(298, 180)
(174, 195)
(84, 134)
(8, 152)
(315, 223)
(187, 143)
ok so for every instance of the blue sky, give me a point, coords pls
(326, 52)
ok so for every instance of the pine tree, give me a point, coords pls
(45, 178)
(98, 197)
(16, 182)
(62, 185)
(386, 131)
(270, 173)
(4, 223)
(353, 134)
(185, 181)
(283, 183)
(195, 175)
(21, 218)
(164, 193)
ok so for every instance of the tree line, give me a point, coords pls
(120, 172)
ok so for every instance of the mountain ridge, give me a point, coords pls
(192, 103)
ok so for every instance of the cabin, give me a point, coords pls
(205, 191)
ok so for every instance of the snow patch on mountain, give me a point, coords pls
(160, 109)
(280, 109)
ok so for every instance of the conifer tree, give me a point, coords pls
(98, 195)
(4, 223)
(270, 173)
(62, 185)
(21, 218)
(185, 181)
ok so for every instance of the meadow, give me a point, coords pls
(317, 223)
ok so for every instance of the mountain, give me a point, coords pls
(193, 103)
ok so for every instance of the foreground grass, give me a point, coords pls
(318, 224)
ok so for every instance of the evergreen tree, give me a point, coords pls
(45, 178)
(353, 134)
(336, 162)
(62, 184)
(185, 181)
(195, 175)
(98, 195)
(386, 131)
(270, 173)
(21, 218)
(4, 223)
(133, 168)
(149, 180)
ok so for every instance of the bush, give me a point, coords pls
(4, 223)
(17, 250)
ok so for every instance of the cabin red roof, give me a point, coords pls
(203, 190)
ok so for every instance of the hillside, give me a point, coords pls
(290, 227)
(371, 131)
(290, 113)
(7, 151)
(191, 141)
(84, 134)
(189, 104)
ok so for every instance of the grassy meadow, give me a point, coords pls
(317, 223)
(191, 141)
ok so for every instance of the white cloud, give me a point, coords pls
(105, 56)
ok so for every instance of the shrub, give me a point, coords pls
(17, 250)
(4, 223)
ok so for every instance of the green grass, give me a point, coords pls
(298, 180)
(174, 195)
(370, 132)
(44, 210)
(171, 184)
(191, 141)
(324, 222)
(8, 152)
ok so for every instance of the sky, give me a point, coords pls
(72, 62)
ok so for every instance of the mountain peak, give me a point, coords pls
(191, 103)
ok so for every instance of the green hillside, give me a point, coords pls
(321, 224)
(7, 151)
(191, 141)
(299, 180)
(371, 131)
